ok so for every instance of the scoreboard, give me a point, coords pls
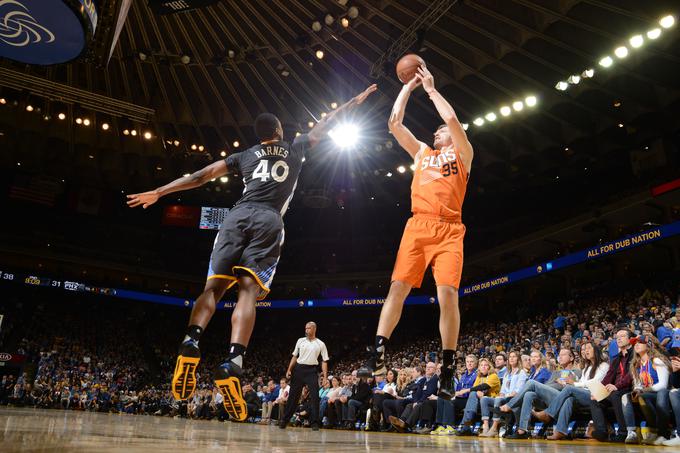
(212, 218)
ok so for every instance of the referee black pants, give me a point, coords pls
(303, 375)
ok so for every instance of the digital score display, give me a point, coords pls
(212, 218)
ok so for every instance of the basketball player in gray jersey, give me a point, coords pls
(247, 246)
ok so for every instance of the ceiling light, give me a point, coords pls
(224, 179)
(201, 147)
(329, 19)
(518, 106)
(654, 33)
(236, 144)
(61, 116)
(531, 101)
(606, 61)
(133, 132)
(620, 124)
(126, 132)
(389, 174)
(636, 41)
(231, 53)
(319, 54)
(147, 135)
(505, 110)
(353, 12)
(413, 167)
(176, 143)
(621, 52)
(194, 147)
(79, 121)
(574, 79)
(46, 117)
(323, 114)
(142, 56)
(667, 21)
(3, 101)
(310, 124)
(478, 122)
(86, 122)
(490, 116)
(334, 105)
(344, 22)
(105, 126)
(223, 153)
(185, 59)
(186, 175)
(561, 85)
(159, 168)
(345, 135)
(91, 156)
(297, 134)
(29, 108)
(465, 126)
(617, 103)
(285, 73)
(588, 73)
(316, 26)
(401, 169)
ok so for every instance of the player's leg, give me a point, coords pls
(409, 270)
(228, 374)
(255, 271)
(447, 266)
(184, 378)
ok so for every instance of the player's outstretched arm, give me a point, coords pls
(196, 179)
(396, 122)
(322, 128)
(458, 135)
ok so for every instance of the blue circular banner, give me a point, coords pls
(45, 32)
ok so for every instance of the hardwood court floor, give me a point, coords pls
(54, 430)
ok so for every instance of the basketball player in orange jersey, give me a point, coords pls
(434, 235)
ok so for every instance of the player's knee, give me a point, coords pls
(400, 287)
(248, 284)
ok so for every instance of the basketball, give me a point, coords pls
(407, 67)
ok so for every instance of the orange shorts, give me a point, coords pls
(430, 240)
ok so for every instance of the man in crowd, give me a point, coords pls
(618, 382)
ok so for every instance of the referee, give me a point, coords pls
(302, 371)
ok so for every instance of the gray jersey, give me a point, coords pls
(270, 172)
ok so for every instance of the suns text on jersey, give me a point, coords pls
(438, 160)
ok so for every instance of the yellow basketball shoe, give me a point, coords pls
(184, 379)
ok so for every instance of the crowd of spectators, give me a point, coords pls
(530, 377)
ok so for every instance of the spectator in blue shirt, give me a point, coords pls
(447, 409)
(560, 323)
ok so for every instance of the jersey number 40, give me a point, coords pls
(278, 172)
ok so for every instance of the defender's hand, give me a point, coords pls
(361, 97)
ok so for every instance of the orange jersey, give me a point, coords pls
(439, 184)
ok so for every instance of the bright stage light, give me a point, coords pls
(345, 135)
(531, 101)
(505, 110)
(478, 122)
(561, 85)
(606, 61)
(654, 33)
(621, 52)
(636, 41)
(490, 116)
(667, 21)
(518, 106)
(588, 73)
(401, 169)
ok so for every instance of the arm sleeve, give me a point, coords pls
(664, 374)
(234, 161)
(296, 351)
(300, 145)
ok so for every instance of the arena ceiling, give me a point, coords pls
(208, 72)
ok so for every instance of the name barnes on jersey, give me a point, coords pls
(272, 150)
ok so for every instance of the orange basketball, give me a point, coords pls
(407, 67)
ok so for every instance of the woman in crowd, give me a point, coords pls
(486, 384)
(327, 402)
(513, 381)
(651, 372)
(561, 408)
